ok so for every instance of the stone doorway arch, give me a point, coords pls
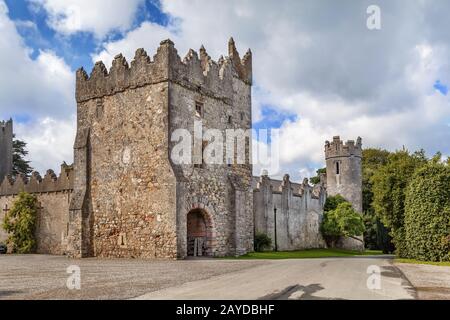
(199, 233)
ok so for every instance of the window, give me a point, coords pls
(201, 165)
(230, 119)
(242, 116)
(99, 109)
(199, 109)
(338, 169)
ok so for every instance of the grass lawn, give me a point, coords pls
(412, 261)
(307, 254)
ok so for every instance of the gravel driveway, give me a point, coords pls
(44, 277)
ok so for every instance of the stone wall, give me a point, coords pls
(54, 194)
(131, 188)
(222, 191)
(52, 220)
(212, 186)
(130, 200)
(299, 212)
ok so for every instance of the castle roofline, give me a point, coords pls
(337, 148)
(4, 123)
(166, 65)
(36, 184)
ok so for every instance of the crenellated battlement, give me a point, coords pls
(6, 129)
(6, 125)
(337, 148)
(298, 189)
(36, 184)
(197, 71)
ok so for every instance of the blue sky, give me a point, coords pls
(78, 48)
(318, 70)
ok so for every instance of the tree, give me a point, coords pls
(316, 179)
(376, 235)
(343, 221)
(332, 202)
(20, 223)
(389, 184)
(427, 213)
(20, 165)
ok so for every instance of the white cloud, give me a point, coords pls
(49, 142)
(147, 36)
(314, 59)
(41, 89)
(319, 61)
(99, 17)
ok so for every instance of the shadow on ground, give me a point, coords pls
(298, 292)
(6, 293)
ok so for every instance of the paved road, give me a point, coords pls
(44, 277)
(340, 278)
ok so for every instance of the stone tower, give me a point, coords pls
(131, 199)
(344, 175)
(6, 148)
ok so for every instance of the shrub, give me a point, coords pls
(20, 223)
(262, 241)
(333, 202)
(343, 221)
(427, 214)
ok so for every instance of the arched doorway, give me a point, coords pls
(199, 233)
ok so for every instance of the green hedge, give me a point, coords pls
(427, 214)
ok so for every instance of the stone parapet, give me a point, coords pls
(196, 71)
(337, 148)
(36, 184)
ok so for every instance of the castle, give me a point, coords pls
(125, 196)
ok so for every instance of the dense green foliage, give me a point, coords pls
(333, 202)
(427, 213)
(20, 165)
(389, 184)
(262, 242)
(376, 236)
(20, 223)
(342, 221)
(405, 205)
